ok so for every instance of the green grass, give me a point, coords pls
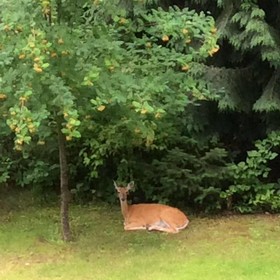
(236, 247)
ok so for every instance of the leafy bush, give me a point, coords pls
(250, 190)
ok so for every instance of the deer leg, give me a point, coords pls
(167, 229)
(133, 226)
(163, 226)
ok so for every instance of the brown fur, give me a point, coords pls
(150, 216)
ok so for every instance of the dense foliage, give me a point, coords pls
(141, 90)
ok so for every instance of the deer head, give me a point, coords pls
(123, 191)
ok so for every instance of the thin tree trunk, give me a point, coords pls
(59, 10)
(64, 188)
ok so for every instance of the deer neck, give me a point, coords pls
(124, 209)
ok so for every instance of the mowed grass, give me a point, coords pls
(232, 247)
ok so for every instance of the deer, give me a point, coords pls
(149, 216)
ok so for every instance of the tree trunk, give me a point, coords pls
(64, 188)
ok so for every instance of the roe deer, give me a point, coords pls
(150, 216)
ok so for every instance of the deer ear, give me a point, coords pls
(116, 185)
(130, 185)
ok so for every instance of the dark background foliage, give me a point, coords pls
(217, 151)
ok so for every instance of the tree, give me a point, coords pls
(72, 69)
(246, 76)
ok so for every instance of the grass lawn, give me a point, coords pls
(234, 247)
